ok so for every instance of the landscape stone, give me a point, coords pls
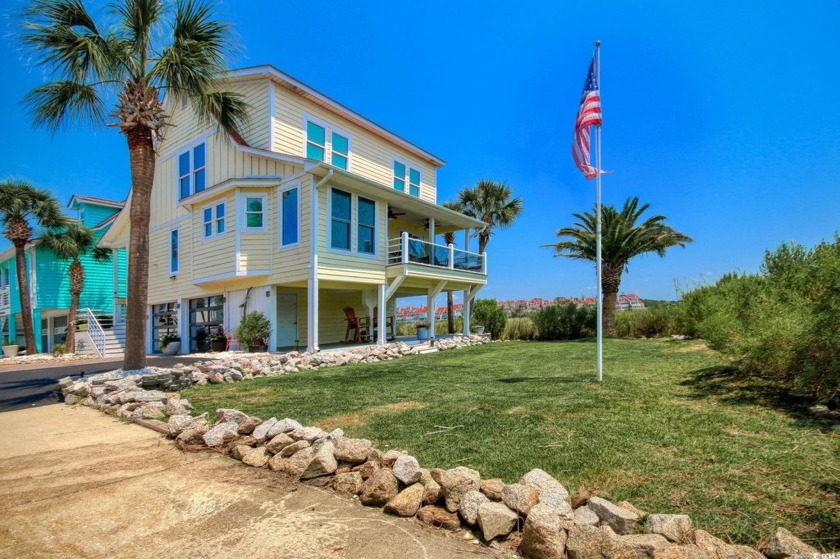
(193, 435)
(221, 433)
(247, 427)
(674, 527)
(579, 498)
(390, 457)
(619, 519)
(520, 497)
(368, 469)
(406, 502)
(455, 483)
(406, 469)
(240, 450)
(431, 492)
(585, 517)
(296, 464)
(283, 426)
(783, 544)
(225, 415)
(629, 506)
(469, 506)
(353, 451)
(646, 544)
(689, 551)
(348, 484)
(257, 457)
(719, 549)
(543, 537)
(495, 520)
(323, 463)
(589, 542)
(310, 434)
(379, 488)
(543, 482)
(293, 448)
(439, 517)
(278, 443)
(261, 432)
(492, 488)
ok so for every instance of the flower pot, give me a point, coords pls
(478, 329)
(422, 333)
(218, 345)
(11, 350)
(172, 348)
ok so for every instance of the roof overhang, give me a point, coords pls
(76, 199)
(445, 219)
(307, 92)
(230, 184)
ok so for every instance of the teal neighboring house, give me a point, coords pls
(104, 291)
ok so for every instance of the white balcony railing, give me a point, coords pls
(405, 250)
(5, 300)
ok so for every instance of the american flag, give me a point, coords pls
(589, 114)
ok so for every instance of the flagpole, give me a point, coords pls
(600, 298)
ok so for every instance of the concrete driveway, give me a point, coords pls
(25, 386)
(77, 483)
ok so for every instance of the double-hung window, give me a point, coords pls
(406, 178)
(289, 212)
(174, 246)
(341, 219)
(323, 143)
(192, 171)
(213, 220)
(366, 228)
(254, 213)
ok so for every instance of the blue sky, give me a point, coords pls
(722, 115)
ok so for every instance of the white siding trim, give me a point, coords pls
(328, 131)
(272, 111)
(241, 224)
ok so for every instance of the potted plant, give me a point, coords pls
(10, 348)
(422, 331)
(253, 331)
(217, 339)
(170, 344)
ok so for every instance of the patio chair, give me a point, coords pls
(360, 326)
(390, 325)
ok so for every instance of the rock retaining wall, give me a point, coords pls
(536, 513)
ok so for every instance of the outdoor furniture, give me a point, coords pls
(390, 325)
(359, 326)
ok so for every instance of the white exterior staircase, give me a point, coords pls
(102, 337)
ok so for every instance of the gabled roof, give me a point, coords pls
(300, 88)
(77, 199)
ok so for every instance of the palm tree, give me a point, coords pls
(449, 239)
(149, 51)
(621, 240)
(490, 202)
(20, 205)
(73, 243)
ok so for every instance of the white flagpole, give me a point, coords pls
(600, 298)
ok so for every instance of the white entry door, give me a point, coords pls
(287, 312)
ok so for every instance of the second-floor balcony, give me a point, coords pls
(406, 250)
(5, 300)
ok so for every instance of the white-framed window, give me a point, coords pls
(253, 212)
(326, 143)
(192, 171)
(174, 252)
(213, 220)
(353, 223)
(406, 178)
(289, 217)
(82, 216)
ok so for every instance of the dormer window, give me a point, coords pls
(327, 144)
(192, 171)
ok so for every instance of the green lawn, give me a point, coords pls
(670, 429)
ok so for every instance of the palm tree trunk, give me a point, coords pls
(142, 161)
(483, 239)
(450, 320)
(25, 303)
(610, 283)
(77, 281)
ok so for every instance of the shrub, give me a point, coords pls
(253, 331)
(59, 349)
(661, 320)
(488, 313)
(569, 322)
(519, 329)
(167, 338)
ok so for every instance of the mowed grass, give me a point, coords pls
(671, 428)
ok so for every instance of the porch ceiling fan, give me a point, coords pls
(393, 214)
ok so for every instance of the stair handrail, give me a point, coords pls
(95, 331)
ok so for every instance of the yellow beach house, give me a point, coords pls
(310, 210)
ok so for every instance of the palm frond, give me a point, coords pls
(21, 200)
(58, 104)
(227, 108)
(137, 19)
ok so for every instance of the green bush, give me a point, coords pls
(488, 313)
(661, 320)
(782, 322)
(519, 329)
(569, 322)
(59, 349)
(253, 331)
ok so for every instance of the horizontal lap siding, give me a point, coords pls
(370, 156)
(215, 255)
(292, 264)
(255, 248)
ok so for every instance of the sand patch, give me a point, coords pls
(699, 345)
(361, 417)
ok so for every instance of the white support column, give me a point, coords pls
(312, 314)
(467, 239)
(431, 231)
(430, 314)
(149, 330)
(465, 313)
(272, 317)
(404, 247)
(382, 332)
(116, 264)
